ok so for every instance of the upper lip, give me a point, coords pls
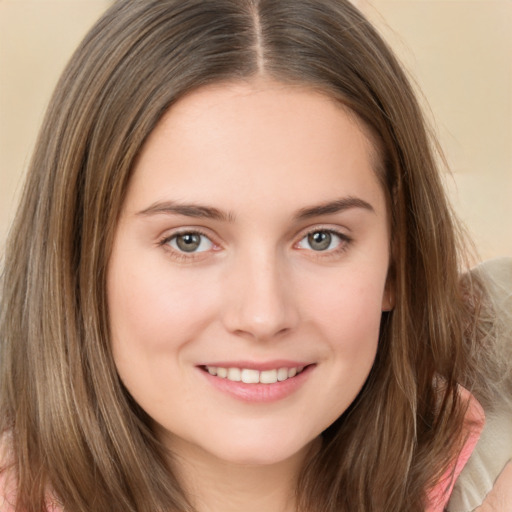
(261, 365)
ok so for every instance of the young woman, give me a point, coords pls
(234, 281)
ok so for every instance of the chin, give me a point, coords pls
(263, 453)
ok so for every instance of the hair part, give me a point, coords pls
(75, 429)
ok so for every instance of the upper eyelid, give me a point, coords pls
(322, 227)
(170, 234)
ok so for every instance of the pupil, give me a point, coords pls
(188, 242)
(320, 240)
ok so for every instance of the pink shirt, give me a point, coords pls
(474, 423)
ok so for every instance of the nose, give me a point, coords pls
(259, 299)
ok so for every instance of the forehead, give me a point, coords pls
(251, 140)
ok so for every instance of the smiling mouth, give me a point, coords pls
(251, 376)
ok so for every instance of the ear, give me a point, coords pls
(388, 297)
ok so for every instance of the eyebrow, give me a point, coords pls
(330, 207)
(188, 210)
(210, 212)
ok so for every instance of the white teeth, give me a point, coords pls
(234, 374)
(250, 376)
(282, 374)
(268, 376)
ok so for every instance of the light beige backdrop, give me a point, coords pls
(458, 51)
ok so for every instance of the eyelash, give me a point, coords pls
(344, 242)
(182, 256)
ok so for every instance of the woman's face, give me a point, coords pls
(253, 244)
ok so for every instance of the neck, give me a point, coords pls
(214, 485)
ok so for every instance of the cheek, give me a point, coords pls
(154, 315)
(349, 306)
(347, 315)
(346, 320)
(154, 306)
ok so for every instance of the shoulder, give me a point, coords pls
(7, 496)
(487, 476)
(7, 481)
(473, 425)
(485, 484)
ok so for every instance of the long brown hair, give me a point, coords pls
(73, 426)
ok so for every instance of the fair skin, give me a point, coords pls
(253, 243)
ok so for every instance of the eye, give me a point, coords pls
(190, 242)
(321, 240)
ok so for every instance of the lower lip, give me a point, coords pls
(260, 393)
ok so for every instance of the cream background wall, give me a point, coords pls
(458, 51)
